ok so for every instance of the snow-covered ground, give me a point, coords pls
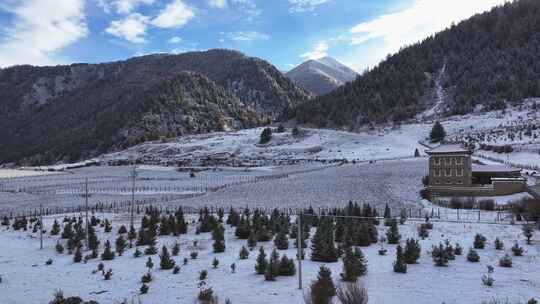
(10, 173)
(26, 278)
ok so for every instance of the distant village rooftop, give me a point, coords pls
(448, 148)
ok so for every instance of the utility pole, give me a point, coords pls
(133, 178)
(40, 226)
(86, 207)
(299, 239)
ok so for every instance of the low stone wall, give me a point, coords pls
(507, 186)
(462, 191)
(500, 186)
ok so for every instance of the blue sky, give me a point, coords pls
(285, 32)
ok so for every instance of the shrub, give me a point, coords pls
(352, 293)
(399, 265)
(266, 136)
(499, 245)
(412, 251)
(473, 256)
(505, 261)
(479, 241)
(176, 269)
(244, 253)
(146, 278)
(144, 289)
(194, 255)
(517, 250)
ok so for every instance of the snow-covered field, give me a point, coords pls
(27, 279)
(10, 173)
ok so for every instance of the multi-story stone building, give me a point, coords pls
(450, 165)
(452, 172)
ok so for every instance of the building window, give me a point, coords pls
(448, 161)
(438, 182)
(448, 172)
(437, 172)
(437, 160)
(459, 172)
(460, 182)
(459, 161)
(448, 182)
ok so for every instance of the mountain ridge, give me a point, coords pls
(67, 113)
(321, 76)
(490, 60)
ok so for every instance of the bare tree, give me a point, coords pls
(352, 293)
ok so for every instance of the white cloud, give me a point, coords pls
(299, 6)
(217, 3)
(40, 30)
(320, 51)
(175, 40)
(122, 6)
(246, 36)
(175, 14)
(422, 19)
(132, 28)
(247, 7)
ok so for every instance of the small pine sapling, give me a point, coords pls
(233, 267)
(244, 253)
(505, 261)
(517, 250)
(528, 232)
(473, 256)
(144, 289)
(499, 245)
(479, 241)
(215, 263)
(176, 269)
(399, 265)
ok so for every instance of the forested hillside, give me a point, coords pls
(73, 112)
(489, 59)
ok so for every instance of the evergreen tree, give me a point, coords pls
(68, 231)
(437, 133)
(215, 263)
(323, 289)
(108, 226)
(295, 131)
(281, 241)
(165, 259)
(499, 245)
(399, 265)
(479, 241)
(392, 234)
(244, 253)
(266, 136)
(286, 266)
(354, 264)
(272, 269)
(151, 249)
(120, 245)
(132, 235)
(55, 228)
(528, 232)
(77, 257)
(322, 245)
(517, 250)
(149, 264)
(262, 262)
(252, 239)
(219, 239)
(107, 254)
(175, 249)
(440, 256)
(473, 256)
(412, 251)
(93, 242)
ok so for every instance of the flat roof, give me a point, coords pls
(494, 169)
(448, 148)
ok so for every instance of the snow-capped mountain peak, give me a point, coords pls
(320, 76)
